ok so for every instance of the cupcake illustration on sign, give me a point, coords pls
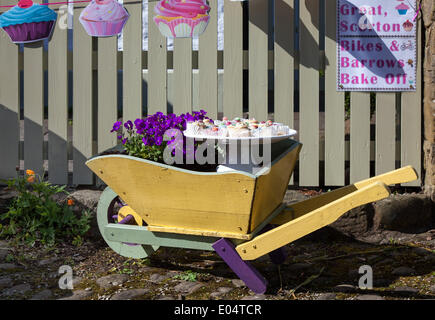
(402, 9)
(408, 25)
(182, 18)
(104, 18)
(28, 22)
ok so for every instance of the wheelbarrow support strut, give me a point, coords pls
(243, 269)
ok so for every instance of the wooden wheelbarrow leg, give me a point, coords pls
(243, 269)
(310, 222)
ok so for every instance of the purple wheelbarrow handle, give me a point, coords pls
(243, 269)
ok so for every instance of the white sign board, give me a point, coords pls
(376, 47)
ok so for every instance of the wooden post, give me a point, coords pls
(428, 10)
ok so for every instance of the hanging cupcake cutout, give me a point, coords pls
(104, 18)
(28, 22)
(182, 18)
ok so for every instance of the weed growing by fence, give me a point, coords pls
(34, 215)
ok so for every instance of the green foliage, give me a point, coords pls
(34, 215)
(187, 276)
(136, 148)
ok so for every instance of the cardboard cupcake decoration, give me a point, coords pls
(182, 18)
(28, 22)
(104, 18)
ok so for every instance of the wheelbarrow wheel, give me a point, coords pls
(106, 214)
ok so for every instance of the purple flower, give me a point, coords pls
(128, 125)
(152, 129)
(116, 126)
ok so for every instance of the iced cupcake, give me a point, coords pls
(28, 22)
(104, 18)
(240, 130)
(408, 25)
(182, 18)
(402, 9)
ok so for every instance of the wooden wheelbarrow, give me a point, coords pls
(239, 215)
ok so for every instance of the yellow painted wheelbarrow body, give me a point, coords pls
(225, 204)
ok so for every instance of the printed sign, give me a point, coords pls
(376, 47)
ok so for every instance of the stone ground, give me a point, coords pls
(322, 266)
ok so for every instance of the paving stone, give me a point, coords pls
(165, 298)
(4, 244)
(5, 282)
(78, 295)
(430, 258)
(220, 292)
(381, 283)
(158, 278)
(369, 297)
(8, 266)
(112, 280)
(403, 271)
(354, 274)
(19, 289)
(238, 283)
(406, 289)
(298, 267)
(345, 288)
(385, 262)
(129, 294)
(421, 251)
(188, 287)
(255, 297)
(48, 261)
(76, 281)
(3, 253)
(42, 295)
(327, 296)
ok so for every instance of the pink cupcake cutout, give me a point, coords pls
(402, 9)
(104, 18)
(182, 18)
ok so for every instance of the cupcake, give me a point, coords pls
(182, 18)
(240, 130)
(28, 22)
(104, 18)
(402, 9)
(408, 25)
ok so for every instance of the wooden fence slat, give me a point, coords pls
(385, 132)
(411, 110)
(309, 93)
(33, 107)
(157, 66)
(359, 136)
(107, 91)
(9, 106)
(258, 59)
(208, 73)
(284, 63)
(182, 75)
(82, 102)
(132, 62)
(334, 105)
(233, 59)
(58, 106)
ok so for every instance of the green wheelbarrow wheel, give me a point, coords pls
(105, 215)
